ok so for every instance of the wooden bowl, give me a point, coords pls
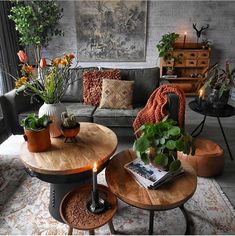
(70, 132)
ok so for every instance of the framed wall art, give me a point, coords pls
(112, 31)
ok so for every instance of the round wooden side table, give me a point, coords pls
(66, 166)
(170, 195)
(74, 212)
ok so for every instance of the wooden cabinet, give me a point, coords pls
(189, 67)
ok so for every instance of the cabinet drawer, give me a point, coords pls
(203, 54)
(191, 63)
(168, 63)
(179, 54)
(190, 55)
(180, 63)
(202, 62)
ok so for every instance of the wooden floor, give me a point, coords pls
(213, 132)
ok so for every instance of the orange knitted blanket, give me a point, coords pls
(155, 109)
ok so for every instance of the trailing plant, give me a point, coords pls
(220, 79)
(160, 141)
(68, 120)
(33, 122)
(166, 45)
(37, 22)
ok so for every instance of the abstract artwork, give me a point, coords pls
(111, 30)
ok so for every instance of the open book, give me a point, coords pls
(149, 176)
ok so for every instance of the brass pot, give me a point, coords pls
(37, 140)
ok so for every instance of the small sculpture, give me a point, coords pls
(199, 32)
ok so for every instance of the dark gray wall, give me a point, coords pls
(164, 17)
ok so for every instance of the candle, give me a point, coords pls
(94, 177)
(185, 33)
(201, 93)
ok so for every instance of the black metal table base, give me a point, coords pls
(57, 193)
(186, 216)
(200, 127)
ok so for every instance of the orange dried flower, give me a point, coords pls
(71, 56)
(27, 69)
(64, 62)
(22, 56)
(56, 61)
(21, 81)
(43, 63)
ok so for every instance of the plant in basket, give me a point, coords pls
(36, 132)
(69, 127)
(159, 143)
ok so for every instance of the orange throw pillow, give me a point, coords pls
(92, 84)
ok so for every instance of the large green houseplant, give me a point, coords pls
(37, 22)
(159, 143)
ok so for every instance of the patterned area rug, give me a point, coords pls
(24, 208)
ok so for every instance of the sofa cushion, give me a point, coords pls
(82, 112)
(92, 84)
(117, 94)
(74, 93)
(115, 117)
(146, 81)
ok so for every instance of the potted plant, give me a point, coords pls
(37, 22)
(36, 132)
(219, 81)
(51, 84)
(69, 127)
(165, 48)
(159, 143)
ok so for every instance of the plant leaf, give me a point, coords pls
(175, 165)
(171, 144)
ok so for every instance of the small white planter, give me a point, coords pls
(54, 112)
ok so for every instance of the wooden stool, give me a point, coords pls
(74, 212)
(208, 160)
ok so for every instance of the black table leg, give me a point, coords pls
(151, 218)
(186, 216)
(222, 130)
(200, 126)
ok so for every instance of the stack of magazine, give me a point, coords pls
(149, 176)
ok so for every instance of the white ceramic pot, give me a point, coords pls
(54, 112)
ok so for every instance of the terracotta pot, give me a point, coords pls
(70, 132)
(37, 141)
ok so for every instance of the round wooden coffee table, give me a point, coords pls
(68, 165)
(170, 195)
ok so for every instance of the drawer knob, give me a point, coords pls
(203, 62)
(204, 54)
(192, 54)
(191, 62)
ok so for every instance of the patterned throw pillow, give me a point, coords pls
(92, 84)
(117, 94)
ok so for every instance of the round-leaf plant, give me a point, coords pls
(160, 142)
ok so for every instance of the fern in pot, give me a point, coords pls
(159, 143)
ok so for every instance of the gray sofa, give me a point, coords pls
(17, 106)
